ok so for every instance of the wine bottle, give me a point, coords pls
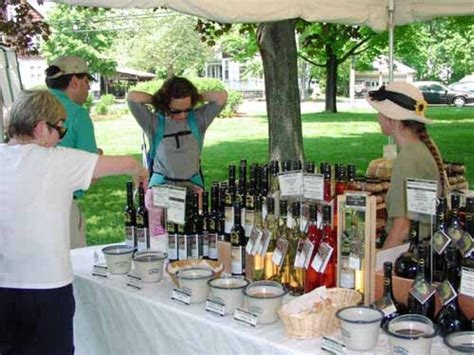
(390, 307)
(326, 171)
(440, 239)
(270, 235)
(238, 242)
(309, 167)
(275, 186)
(421, 298)
(250, 201)
(450, 318)
(405, 264)
(172, 232)
(455, 231)
(129, 217)
(221, 234)
(205, 225)
(314, 236)
(196, 230)
(328, 238)
(282, 244)
(229, 201)
(143, 232)
(213, 223)
(351, 175)
(257, 233)
(469, 224)
(297, 240)
(241, 191)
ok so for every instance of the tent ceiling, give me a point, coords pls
(372, 13)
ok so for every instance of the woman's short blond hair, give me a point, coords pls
(31, 107)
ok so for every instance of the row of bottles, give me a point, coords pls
(136, 220)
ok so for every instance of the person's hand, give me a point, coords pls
(141, 177)
(100, 151)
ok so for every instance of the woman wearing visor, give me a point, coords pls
(175, 128)
(401, 109)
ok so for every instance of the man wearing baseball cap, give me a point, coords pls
(68, 79)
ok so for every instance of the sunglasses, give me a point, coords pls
(177, 112)
(60, 129)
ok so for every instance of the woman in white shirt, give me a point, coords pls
(37, 180)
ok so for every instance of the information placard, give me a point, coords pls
(160, 196)
(177, 204)
(291, 183)
(421, 196)
(313, 187)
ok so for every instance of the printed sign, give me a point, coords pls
(321, 259)
(99, 270)
(134, 282)
(421, 196)
(181, 295)
(215, 305)
(160, 196)
(246, 317)
(177, 204)
(313, 187)
(291, 183)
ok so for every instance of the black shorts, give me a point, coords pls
(36, 321)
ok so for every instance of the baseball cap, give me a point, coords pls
(69, 65)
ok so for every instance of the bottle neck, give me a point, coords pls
(388, 289)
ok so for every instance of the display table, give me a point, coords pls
(112, 318)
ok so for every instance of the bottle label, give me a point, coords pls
(183, 247)
(237, 260)
(456, 234)
(254, 241)
(303, 253)
(129, 236)
(143, 238)
(213, 246)
(322, 257)
(465, 244)
(281, 249)
(446, 292)
(422, 291)
(229, 219)
(205, 244)
(440, 241)
(264, 242)
(173, 246)
(196, 246)
(467, 282)
(249, 222)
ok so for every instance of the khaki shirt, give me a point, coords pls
(413, 161)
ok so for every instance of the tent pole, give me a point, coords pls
(391, 9)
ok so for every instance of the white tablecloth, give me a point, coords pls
(112, 318)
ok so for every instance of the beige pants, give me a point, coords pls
(77, 227)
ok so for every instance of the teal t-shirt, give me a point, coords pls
(80, 130)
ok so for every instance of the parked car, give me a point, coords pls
(463, 86)
(437, 93)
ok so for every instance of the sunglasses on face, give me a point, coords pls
(177, 112)
(60, 129)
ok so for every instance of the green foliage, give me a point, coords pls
(234, 99)
(89, 102)
(77, 30)
(103, 106)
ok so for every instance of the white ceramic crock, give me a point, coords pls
(195, 279)
(118, 259)
(460, 343)
(411, 334)
(360, 327)
(149, 265)
(229, 289)
(265, 297)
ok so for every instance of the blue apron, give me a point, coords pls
(160, 179)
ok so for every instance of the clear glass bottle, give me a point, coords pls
(296, 239)
(271, 270)
(257, 229)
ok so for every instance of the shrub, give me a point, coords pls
(88, 104)
(234, 99)
(103, 106)
(107, 99)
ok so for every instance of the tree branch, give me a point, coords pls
(353, 49)
(310, 61)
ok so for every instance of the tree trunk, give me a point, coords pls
(331, 81)
(276, 41)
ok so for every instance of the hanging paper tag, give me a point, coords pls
(332, 346)
(264, 242)
(161, 196)
(99, 270)
(322, 257)
(440, 241)
(313, 187)
(355, 262)
(258, 239)
(182, 295)
(304, 223)
(280, 251)
(465, 244)
(246, 317)
(253, 242)
(177, 204)
(446, 292)
(215, 305)
(421, 196)
(467, 282)
(291, 183)
(385, 304)
(300, 256)
(134, 282)
(422, 291)
(309, 248)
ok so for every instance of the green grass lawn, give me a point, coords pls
(349, 137)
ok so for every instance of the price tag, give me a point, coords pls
(422, 291)
(215, 305)
(134, 282)
(313, 187)
(440, 241)
(421, 196)
(253, 242)
(322, 257)
(465, 244)
(246, 317)
(99, 270)
(291, 183)
(467, 282)
(309, 247)
(446, 292)
(386, 305)
(332, 346)
(303, 253)
(160, 196)
(181, 295)
(280, 251)
(264, 242)
(177, 204)
(356, 200)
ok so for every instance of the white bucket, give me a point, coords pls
(149, 265)
(118, 259)
(229, 289)
(265, 297)
(195, 279)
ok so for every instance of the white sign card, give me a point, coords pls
(246, 317)
(99, 270)
(177, 204)
(421, 196)
(332, 346)
(134, 282)
(216, 306)
(182, 296)
(160, 196)
(291, 183)
(313, 187)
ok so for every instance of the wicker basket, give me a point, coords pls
(174, 266)
(311, 324)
